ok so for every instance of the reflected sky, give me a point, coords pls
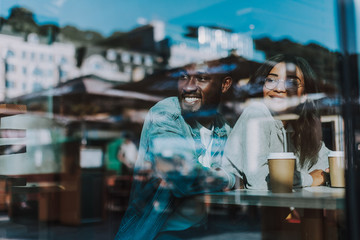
(303, 21)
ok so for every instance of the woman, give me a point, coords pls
(284, 82)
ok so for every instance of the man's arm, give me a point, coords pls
(175, 159)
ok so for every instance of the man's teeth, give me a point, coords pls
(191, 99)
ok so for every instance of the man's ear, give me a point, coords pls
(226, 84)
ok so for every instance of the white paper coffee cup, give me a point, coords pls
(337, 168)
(281, 170)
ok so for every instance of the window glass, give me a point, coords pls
(176, 119)
(137, 59)
(37, 72)
(125, 57)
(10, 54)
(148, 61)
(10, 67)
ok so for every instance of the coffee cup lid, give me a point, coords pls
(336, 154)
(281, 155)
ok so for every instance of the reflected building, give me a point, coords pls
(127, 57)
(35, 64)
(118, 64)
(204, 42)
(29, 64)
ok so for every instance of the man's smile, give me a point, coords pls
(191, 100)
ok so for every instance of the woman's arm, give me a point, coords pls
(315, 176)
(248, 146)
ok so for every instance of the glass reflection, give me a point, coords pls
(100, 94)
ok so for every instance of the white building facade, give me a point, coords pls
(119, 65)
(210, 44)
(28, 66)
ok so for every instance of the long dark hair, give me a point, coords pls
(307, 134)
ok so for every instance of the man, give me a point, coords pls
(180, 152)
(127, 155)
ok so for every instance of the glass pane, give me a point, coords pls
(186, 119)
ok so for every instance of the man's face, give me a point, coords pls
(199, 90)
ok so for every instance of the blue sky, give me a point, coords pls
(106, 15)
(302, 21)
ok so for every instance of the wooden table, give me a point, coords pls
(311, 197)
(313, 200)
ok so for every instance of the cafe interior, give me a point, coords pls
(63, 170)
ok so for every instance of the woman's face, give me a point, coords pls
(283, 87)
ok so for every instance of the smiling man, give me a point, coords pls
(180, 153)
(200, 89)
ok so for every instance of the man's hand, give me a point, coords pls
(173, 155)
(319, 177)
(163, 166)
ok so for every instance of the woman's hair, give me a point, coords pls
(307, 134)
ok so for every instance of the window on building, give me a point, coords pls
(10, 53)
(125, 57)
(148, 61)
(63, 74)
(10, 67)
(127, 69)
(38, 72)
(63, 60)
(37, 87)
(9, 83)
(137, 59)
